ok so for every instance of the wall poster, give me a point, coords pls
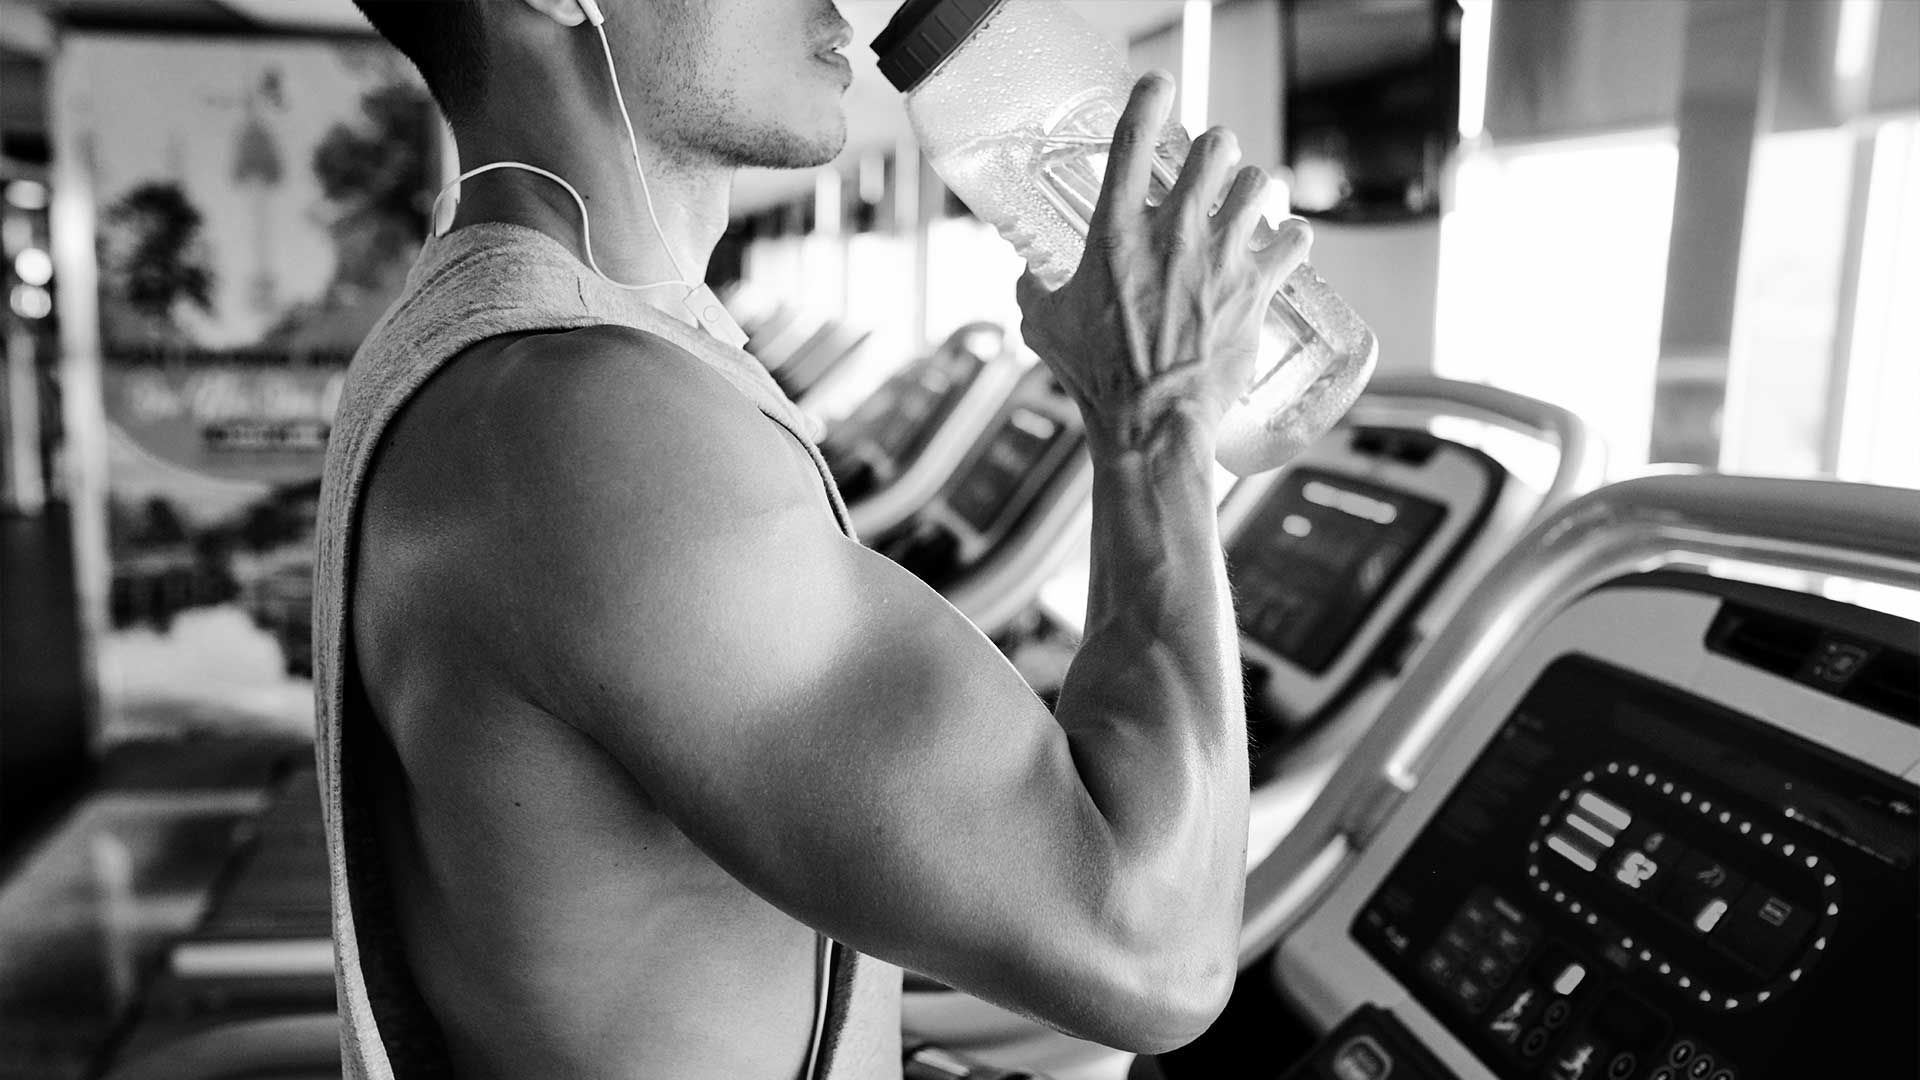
(256, 206)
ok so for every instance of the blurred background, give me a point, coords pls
(1690, 221)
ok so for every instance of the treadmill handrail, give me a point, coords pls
(1582, 462)
(1848, 530)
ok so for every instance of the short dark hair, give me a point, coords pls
(443, 39)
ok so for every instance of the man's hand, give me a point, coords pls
(1163, 315)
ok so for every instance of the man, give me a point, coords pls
(619, 726)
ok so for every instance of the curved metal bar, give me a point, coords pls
(1583, 457)
(1825, 527)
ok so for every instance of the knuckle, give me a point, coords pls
(1225, 143)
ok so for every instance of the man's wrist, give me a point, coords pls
(1154, 439)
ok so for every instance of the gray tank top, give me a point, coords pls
(467, 286)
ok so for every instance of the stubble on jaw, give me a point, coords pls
(702, 120)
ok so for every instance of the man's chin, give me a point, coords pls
(793, 150)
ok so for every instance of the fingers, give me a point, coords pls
(1246, 200)
(1209, 163)
(1286, 250)
(1130, 160)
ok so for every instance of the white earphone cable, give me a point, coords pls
(586, 224)
(633, 142)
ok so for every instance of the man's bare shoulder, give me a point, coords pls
(543, 490)
(559, 430)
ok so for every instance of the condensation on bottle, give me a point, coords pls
(1017, 115)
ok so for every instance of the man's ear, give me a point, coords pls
(564, 12)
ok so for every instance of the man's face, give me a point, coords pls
(734, 82)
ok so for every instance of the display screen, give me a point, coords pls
(1372, 105)
(1317, 555)
(1635, 884)
(922, 407)
(986, 491)
(890, 431)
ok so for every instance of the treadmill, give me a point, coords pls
(895, 451)
(1010, 514)
(1344, 565)
(1650, 810)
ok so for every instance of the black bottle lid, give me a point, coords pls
(923, 33)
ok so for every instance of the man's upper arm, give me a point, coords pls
(821, 723)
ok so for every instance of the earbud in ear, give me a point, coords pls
(592, 11)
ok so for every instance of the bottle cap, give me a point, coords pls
(923, 33)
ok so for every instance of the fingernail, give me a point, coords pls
(1164, 78)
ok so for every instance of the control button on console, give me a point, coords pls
(1701, 1068)
(1458, 940)
(1557, 1013)
(1512, 944)
(1361, 1058)
(1664, 1073)
(1396, 939)
(1438, 965)
(1699, 882)
(1764, 929)
(1580, 1059)
(1836, 662)
(1508, 1022)
(1535, 1042)
(1475, 917)
(1569, 979)
(1724, 1074)
(1682, 1052)
(1646, 861)
(1470, 993)
(1491, 969)
(1622, 1065)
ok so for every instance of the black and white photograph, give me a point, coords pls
(960, 539)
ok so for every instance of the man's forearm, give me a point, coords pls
(1153, 704)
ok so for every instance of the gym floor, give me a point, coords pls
(90, 903)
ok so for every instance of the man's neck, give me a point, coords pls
(690, 205)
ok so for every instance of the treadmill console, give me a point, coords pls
(891, 429)
(1633, 883)
(895, 425)
(1019, 455)
(1317, 556)
(1337, 559)
(1012, 473)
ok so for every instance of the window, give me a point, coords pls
(1552, 276)
(970, 277)
(1793, 250)
(1879, 441)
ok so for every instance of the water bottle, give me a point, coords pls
(1014, 103)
